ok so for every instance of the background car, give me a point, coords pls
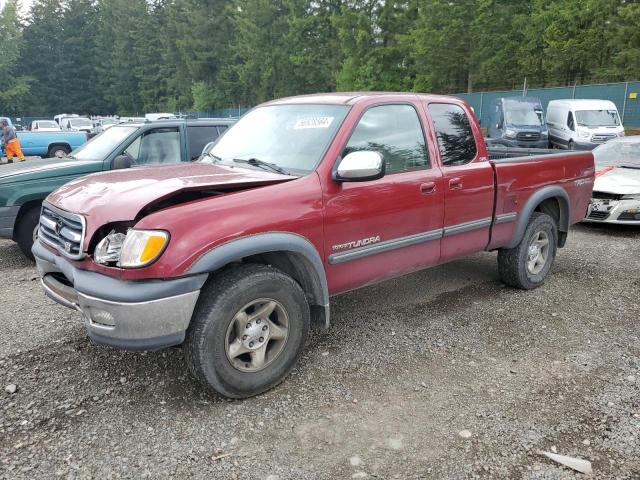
(44, 126)
(616, 191)
(77, 124)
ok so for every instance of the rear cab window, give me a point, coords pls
(199, 136)
(456, 142)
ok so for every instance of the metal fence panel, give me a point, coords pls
(625, 95)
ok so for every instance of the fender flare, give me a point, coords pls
(536, 199)
(306, 257)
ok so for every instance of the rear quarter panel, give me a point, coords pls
(518, 179)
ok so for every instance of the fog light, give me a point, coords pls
(101, 318)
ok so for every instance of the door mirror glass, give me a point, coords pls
(122, 161)
(360, 166)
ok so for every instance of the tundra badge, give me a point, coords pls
(357, 243)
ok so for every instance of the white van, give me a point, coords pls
(582, 124)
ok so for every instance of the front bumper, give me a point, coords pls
(140, 315)
(8, 217)
(614, 211)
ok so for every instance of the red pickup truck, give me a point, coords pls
(306, 197)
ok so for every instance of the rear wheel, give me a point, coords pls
(27, 230)
(58, 151)
(248, 330)
(526, 266)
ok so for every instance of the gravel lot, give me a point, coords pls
(385, 393)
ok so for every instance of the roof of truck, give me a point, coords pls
(350, 98)
(584, 103)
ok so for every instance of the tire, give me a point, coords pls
(215, 330)
(53, 150)
(26, 230)
(514, 263)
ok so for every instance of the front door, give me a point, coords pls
(468, 183)
(386, 227)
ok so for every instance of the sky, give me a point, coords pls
(25, 5)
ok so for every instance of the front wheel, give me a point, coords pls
(248, 330)
(27, 230)
(526, 266)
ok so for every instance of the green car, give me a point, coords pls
(23, 186)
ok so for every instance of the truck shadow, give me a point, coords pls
(609, 229)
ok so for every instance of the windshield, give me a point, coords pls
(107, 121)
(618, 153)
(292, 137)
(80, 122)
(48, 124)
(100, 146)
(523, 117)
(597, 118)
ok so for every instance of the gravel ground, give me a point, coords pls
(407, 367)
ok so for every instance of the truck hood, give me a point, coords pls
(621, 181)
(46, 167)
(121, 195)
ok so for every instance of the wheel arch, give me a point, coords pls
(58, 144)
(29, 203)
(552, 200)
(291, 253)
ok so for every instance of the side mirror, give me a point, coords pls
(121, 161)
(360, 167)
(207, 147)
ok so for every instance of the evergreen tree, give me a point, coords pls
(13, 88)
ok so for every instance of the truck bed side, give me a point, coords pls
(558, 184)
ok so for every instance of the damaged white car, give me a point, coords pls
(616, 191)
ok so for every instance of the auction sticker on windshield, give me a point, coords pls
(313, 122)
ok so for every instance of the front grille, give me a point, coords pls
(602, 137)
(528, 136)
(606, 196)
(62, 230)
(598, 215)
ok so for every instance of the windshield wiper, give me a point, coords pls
(256, 162)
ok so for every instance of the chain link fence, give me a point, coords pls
(626, 96)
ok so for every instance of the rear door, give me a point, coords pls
(383, 228)
(467, 182)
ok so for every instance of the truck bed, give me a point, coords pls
(521, 174)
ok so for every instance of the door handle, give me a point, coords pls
(455, 183)
(427, 188)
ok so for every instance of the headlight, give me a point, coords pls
(510, 133)
(584, 134)
(631, 197)
(621, 134)
(137, 248)
(109, 248)
(545, 133)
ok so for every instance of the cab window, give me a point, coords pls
(455, 138)
(161, 145)
(199, 137)
(395, 132)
